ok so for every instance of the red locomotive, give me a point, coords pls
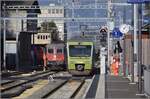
(55, 55)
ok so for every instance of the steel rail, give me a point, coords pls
(31, 79)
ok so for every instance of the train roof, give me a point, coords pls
(57, 45)
(58, 42)
(80, 39)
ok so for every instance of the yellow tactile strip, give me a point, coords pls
(28, 92)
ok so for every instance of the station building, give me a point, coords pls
(12, 10)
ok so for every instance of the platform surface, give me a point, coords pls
(119, 87)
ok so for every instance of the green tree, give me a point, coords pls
(51, 28)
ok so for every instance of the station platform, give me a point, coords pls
(117, 87)
(120, 87)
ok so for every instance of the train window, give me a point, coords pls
(59, 50)
(43, 36)
(50, 50)
(46, 36)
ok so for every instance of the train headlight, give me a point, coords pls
(80, 67)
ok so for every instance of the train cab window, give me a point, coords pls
(50, 50)
(80, 50)
(59, 50)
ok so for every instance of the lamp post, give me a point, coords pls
(4, 40)
(140, 49)
(134, 72)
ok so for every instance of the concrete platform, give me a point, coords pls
(100, 94)
(119, 87)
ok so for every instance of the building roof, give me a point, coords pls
(19, 2)
(22, 3)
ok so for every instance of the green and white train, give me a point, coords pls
(80, 57)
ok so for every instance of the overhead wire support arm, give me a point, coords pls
(58, 18)
(79, 6)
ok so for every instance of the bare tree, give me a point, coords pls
(50, 27)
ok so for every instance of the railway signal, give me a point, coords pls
(103, 32)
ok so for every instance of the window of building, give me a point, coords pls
(43, 36)
(57, 11)
(53, 11)
(61, 11)
(49, 11)
(38, 37)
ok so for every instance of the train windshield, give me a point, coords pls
(50, 50)
(59, 51)
(80, 50)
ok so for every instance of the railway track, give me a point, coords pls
(62, 85)
(8, 89)
(4, 82)
(68, 90)
(53, 89)
(10, 73)
(26, 76)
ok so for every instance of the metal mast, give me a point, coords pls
(4, 39)
(109, 23)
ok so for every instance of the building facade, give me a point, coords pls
(12, 25)
(41, 38)
(53, 11)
